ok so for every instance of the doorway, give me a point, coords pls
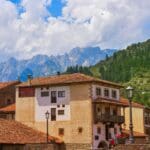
(53, 114)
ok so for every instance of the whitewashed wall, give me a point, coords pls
(101, 136)
(42, 104)
(94, 96)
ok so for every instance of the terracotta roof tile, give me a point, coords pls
(65, 79)
(6, 84)
(109, 101)
(9, 108)
(134, 104)
(13, 132)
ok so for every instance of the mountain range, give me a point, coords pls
(130, 66)
(44, 65)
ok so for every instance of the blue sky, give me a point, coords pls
(55, 8)
(111, 24)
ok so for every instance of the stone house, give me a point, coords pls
(83, 110)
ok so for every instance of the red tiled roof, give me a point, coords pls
(135, 134)
(6, 84)
(65, 79)
(13, 132)
(109, 101)
(134, 104)
(9, 108)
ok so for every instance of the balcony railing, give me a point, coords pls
(147, 120)
(106, 118)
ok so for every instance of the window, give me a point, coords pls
(80, 129)
(98, 91)
(44, 93)
(96, 137)
(53, 97)
(61, 131)
(26, 92)
(58, 105)
(53, 114)
(98, 130)
(61, 112)
(61, 93)
(106, 92)
(114, 93)
(63, 105)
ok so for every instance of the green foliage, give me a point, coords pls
(79, 69)
(130, 66)
(125, 64)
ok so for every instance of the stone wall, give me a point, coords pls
(29, 147)
(69, 146)
(72, 146)
(133, 147)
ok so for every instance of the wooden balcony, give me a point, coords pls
(147, 120)
(106, 118)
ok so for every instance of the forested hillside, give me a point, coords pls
(130, 66)
(125, 64)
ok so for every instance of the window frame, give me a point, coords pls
(61, 131)
(61, 94)
(106, 90)
(61, 110)
(44, 92)
(98, 91)
(114, 95)
(54, 98)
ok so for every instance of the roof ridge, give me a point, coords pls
(65, 79)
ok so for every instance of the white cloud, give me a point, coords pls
(106, 23)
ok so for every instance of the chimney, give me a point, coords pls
(58, 73)
(29, 79)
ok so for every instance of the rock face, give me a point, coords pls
(43, 65)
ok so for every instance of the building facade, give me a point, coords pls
(8, 112)
(7, 93)
(141, 118)
(82, 109)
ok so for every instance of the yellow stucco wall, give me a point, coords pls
(81, 115)
(138, 119)
(25, 109)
